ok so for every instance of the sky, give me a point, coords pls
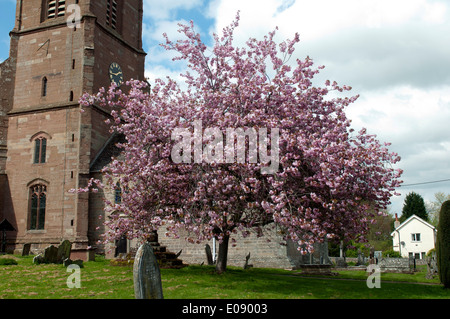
(394, 53)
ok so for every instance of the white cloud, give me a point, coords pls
(395, 54)
(164, 10)
(313, 19)
(416, 122)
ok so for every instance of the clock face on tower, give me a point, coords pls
(116, 74)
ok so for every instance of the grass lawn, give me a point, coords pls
(100, 280)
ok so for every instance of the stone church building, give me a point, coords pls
(48, 147)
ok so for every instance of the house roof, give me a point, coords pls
(411, 218)
(108, 151)
(6, 226)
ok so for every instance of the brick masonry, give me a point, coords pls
(73, 61)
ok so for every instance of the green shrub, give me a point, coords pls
(443, 244)
(7, 262)
(391, 253)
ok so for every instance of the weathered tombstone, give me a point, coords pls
(209, 255)
(146, 274)
(26, 249)
(372, 257)
(378, 255)
(360, 260)
(429, 274)
(340, 262)
(64, 251)
(324, 259)
(434, 267)
(67, 262)
(39, 259)
(50, 255)
(247, 265)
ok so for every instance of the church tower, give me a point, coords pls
(60, 49)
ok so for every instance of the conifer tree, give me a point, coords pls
(443, 244)
(414, 205)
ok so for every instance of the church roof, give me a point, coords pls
(5, 225)
(108, 151)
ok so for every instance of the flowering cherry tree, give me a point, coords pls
(326, 176)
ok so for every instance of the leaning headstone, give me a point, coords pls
(50, 255)
(26, 249)
(67, 262)
(209, 255)
(247, 265)
(64, 251)
(146, 274)
(39, 259)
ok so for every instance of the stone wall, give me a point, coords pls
(269, 251)
(394, 265)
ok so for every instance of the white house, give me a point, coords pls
(414, 237)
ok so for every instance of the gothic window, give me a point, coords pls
(118, 194)
(111, 13)
(40, 150)
(38, 202)
(56, 8)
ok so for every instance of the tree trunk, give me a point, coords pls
(222, 258)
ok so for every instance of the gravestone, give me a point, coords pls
(361, 260)
(372, 257)
(26, 249)
(340, 262)
(51, 255)
(432, 269)
(377, 255)
(64, 251)
(247, 265)
(39, 259)
(209, 255)
(67, 262)
(54, 255)
(146, 274)
(395, 265)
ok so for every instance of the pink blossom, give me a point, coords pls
(328, 177)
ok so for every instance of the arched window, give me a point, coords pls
(44, 86)
(40, 150)
(38, 202)
(118, 194)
